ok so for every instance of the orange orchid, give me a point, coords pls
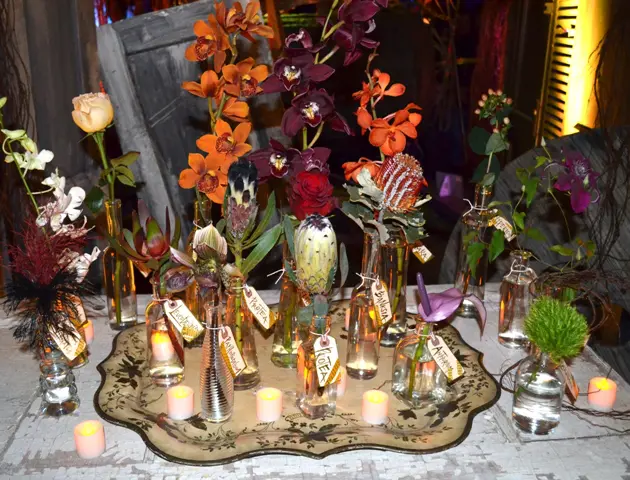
(205, 173)
(226, 145)
(351, 170)
(209, 86)
(235, 110)
(380, 82)
(211, 40)
(364, 119)
(242, 79)
(390, 137)
(248, 21)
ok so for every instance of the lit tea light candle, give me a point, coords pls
(268, 404)
(602, 393)
(161, 346)
(88, 331)
(89, 439)
(375, 405)
(342, 383)
(180, 402)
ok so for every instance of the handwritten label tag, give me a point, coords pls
(381, 303)
(326, 360)
(183, 319)
(259, 308)
(422, 253)
(571, 386)
(230, 352)
(81, 318)
(71, 346)
(502, 224)
(444, 358)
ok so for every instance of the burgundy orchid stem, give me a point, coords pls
(424, 296)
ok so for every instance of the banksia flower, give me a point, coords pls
(241, 202)
(400, 179)
(315, 254)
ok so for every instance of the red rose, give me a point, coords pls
(311, 193)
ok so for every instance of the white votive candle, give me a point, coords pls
(602, 393)
(88, 331)
(161, 346)
(180, 402)
(375, 405)
(268, 404)
(342, 382)
(89, 439)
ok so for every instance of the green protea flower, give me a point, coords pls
(315, 254)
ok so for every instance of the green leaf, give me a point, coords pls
(496, 144)
(267, 242)
(530, 189)
(488, 179)
(94, 200)
(289, 271)
(478, 139)
(288, 234)
(480, 171)
(522, 175)
(264, 221)
(469, 237)
(126, 160)
(220, 226)
(540, 161)
(562, 250)
(177, 233)
(125, 176)
(474, 252)
(497, 245)
(14, 134)
(534, 234)
(343, 264)
(519, 219)
(3, 101)
(496, 203)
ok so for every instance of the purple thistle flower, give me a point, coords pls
(295, 74)
(580, 179)
(312, 108)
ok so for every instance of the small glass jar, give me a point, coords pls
(314, 401)
(416, 379)
(516, 299)
(56, 381)
(539, 389)
(394, 260)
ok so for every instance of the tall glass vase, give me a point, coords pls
(363, 328)
(118, 276)
(476, 228)
(216, 383)
(287, 334)
(206, 297)
(56, 381)
(201, 217)
(394, 260)
(240, 320)
(516, 299)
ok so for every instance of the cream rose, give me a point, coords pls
(92, 112)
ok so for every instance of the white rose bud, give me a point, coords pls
(93, 112)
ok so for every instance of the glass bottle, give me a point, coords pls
(363, 329)
(216, 383)
(287, 334)
(539, 389)
(118, 275)
(516, 298)
(416, 378)
(202, 216)
(205, 297)
(165, 345)
(394, 260)
(79, 320)
(314, 401)
(475, 229)
(56, 381)
(240, 320)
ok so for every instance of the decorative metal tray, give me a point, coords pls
(127, 397)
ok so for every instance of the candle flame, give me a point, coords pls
(181, 392)
(89, 428)
(603, 384)
(269, 394)
(376, 397)
(160, 337)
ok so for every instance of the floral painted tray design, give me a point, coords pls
(127, 397)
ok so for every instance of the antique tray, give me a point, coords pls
(127, 397)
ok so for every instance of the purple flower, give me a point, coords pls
(578, 178)
(304, 39)
(295, 73)
(279, 161)
(312, 108)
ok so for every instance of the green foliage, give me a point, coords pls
(480, 171)
(519, 219)
(474, 253)
(95, 199)
(478, 139)
(556, 328)
(497, 245)
(562, 250)
(496, 143)
(267, 241)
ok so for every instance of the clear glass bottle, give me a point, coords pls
(516, 298)
(394, 260)
(202, 216)
(287, 336)
(475, 229)
(205, 297)
(165, 345)
(539, 389)
(363, 329)
(118, 275)
(416, 379)
(216, 382)
(241, 322)
(56, 381)
(314, 401)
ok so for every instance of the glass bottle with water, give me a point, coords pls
(56, 381)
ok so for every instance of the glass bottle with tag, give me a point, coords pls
(363, 326)
(314, 400)
(394, 260)
(206, 296)
(476, 229)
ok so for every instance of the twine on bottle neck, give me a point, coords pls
(281, 272)
(365, 278)
(324, 336)
(519, 268)
(472, 207)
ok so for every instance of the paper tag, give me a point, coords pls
(71, 346)
(81, 319)
(381, 303)
(259, 308)
(444, 358)
(230, 352)
(422, 253)
(326, 360)
(571, 386)
(183, 319)
(502, 224)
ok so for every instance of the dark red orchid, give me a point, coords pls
(312, 108)
(306, 42)
(296, 73)
(279, 161)
(580, 179)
